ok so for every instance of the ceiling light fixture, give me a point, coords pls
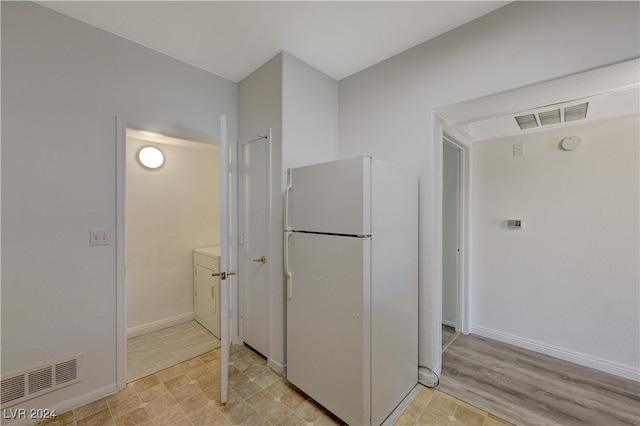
(150, 157)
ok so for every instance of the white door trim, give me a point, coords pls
(121, 288)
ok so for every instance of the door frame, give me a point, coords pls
(122, 125)
(461, 142)
(241, 233)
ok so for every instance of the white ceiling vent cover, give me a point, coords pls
(27, 384)
(554, 116)
(576, 112)
(527, 121)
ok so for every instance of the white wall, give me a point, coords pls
(169, 212)
(387, 110)
(569, 278)
(63, 83)
(309, 115)
(300, 104)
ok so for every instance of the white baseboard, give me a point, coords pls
(280, 368)
(86, 398)
(449, 323)
(427, 377)
(626, 371)
(159, 325)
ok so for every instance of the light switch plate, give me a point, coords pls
(99, 238)
(518, 149)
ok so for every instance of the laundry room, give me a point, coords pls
(172, 207)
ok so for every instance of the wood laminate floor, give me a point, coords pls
(528, 388)
(161, 349)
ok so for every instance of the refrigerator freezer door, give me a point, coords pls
(328, 318)
(332, 197)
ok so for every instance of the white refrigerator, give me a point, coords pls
(351, 261)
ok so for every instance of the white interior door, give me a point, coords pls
(254, 259)
(226, 250)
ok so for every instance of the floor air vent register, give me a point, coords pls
(22, 386)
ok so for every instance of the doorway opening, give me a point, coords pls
(454, 208)
(169, 217)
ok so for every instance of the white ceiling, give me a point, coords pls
(234, 38)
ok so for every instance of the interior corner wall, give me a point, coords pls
(568, 280)
(260, 100)
(309, 114)
(300, 104)
(63, 84)
(170, 211)
(387, 109)
(309, 136)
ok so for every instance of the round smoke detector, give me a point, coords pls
(570, 143)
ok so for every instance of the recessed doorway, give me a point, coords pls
(170, 212)
(451, 238)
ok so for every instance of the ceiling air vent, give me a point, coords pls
(527, 121)
(554, 116)
(576, 112)
(549, 117)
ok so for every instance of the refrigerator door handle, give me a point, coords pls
(287, 235)
(286, 201)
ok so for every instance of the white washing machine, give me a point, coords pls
(206, 288)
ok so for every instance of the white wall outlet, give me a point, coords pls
(100, 238)
(518, 149)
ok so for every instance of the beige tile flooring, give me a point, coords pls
(432, 407)
(189, 394)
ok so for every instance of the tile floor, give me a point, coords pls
(189, 394)
(432, 407)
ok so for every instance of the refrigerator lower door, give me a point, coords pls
(328, 322)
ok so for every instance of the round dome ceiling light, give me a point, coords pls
(150, 157)
(570, 143)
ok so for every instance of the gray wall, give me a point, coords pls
(63, 84)
(387, 110)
